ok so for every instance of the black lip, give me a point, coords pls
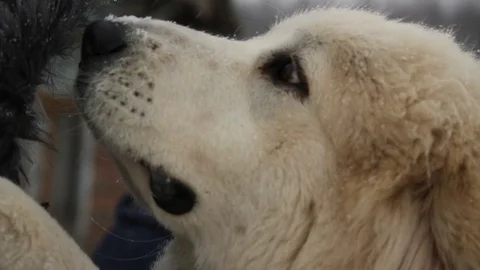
(169, 193)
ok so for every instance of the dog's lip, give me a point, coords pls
(169, 193)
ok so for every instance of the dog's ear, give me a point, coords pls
(453, 197)
(413, 171)
(443, 176)
(455, 210)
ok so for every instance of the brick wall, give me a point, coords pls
(107, 190)
(107, 187)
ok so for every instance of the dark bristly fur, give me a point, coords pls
(32, 32)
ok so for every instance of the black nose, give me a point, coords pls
(102, 37)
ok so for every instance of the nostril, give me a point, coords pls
(103, 37)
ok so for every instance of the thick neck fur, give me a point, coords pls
(266, 247)
(302, 246)
(394, 235)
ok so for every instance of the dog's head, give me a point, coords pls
(338, 140)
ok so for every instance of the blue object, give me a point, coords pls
(134, 242)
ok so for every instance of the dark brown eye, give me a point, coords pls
(289, 74)
(285, 71)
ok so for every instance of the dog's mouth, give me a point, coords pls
(169, 193)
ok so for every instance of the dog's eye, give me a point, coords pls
(285, 71)
(289, 74)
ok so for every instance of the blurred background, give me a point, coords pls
(78, 178)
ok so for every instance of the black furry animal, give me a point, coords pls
(32, 32)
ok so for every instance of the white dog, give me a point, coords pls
(338, 140)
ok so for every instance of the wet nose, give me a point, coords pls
(102, 37)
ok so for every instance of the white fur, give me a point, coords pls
(31, 239)
(376, 169)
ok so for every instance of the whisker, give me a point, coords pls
(123, 238)
(154, 252)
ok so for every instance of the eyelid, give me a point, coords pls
(276, 58)
(270, 56)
